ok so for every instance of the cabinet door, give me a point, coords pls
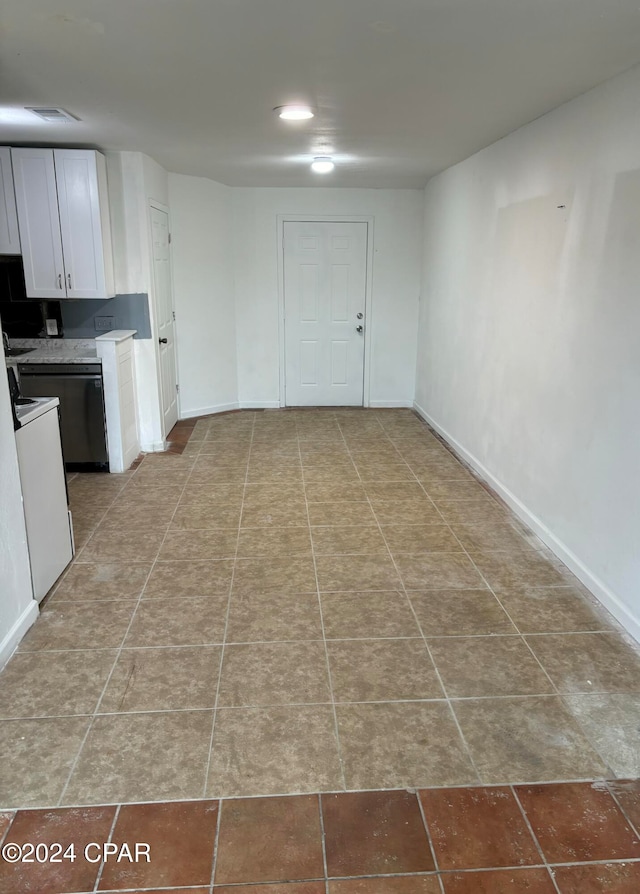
(9, 239)
(81, 223)
(37, 204)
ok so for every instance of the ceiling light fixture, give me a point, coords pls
(322, 164)
(294, 113)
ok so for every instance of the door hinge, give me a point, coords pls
(177, 387)
(169, 238)
(173, 314)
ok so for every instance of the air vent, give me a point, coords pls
(57, 116)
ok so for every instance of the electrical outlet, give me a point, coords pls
(52, 327)
(104, 324)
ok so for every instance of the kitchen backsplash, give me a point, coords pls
(82, 319)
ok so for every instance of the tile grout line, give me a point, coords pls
(424, 640)
(216, 843)
(324, 636)
(434, 856)
(323, 839)
(634, 826)
(228, 614)
(95, 713)
(109, 838)
(534, 837)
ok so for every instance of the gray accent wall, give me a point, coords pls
(130, 311)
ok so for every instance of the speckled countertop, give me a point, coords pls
(55, 350)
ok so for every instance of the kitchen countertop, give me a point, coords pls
(55, 350)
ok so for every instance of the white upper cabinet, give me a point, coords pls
(63, 215)
(9, 238)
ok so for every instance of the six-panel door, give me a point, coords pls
(325, 278)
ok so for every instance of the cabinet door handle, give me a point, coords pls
(69, 281)
(59, 280)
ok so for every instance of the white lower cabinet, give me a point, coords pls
(63, 218)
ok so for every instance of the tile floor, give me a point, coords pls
(558, 838)
(308, 601)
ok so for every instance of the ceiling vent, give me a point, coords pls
(55, 116)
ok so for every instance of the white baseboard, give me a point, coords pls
(390, 404)
(259, 404)
(208, 411)
(153, 447)
(15, 634)
(591, 581)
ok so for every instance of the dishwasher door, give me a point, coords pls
(84, 442)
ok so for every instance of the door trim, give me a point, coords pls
(154, 203)
(326, 218)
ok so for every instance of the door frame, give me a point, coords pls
(326, 218)
(154, 203)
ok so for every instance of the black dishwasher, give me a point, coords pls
(82, 418)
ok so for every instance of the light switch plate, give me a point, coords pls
(105, 324)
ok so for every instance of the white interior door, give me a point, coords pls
(164, 316)
(325, 280)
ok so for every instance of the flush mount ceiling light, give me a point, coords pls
(322, 164)
(294, 113)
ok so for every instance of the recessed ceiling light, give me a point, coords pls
(322, 164)
(294, 113)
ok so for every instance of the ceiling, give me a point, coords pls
(402, 88)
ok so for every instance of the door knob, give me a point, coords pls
(163, 341)
(359, 316)
(359, 328)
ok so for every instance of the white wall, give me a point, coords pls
(18, 609)
(529, 357)
(135, 179)
(202, 257)
(395, 287)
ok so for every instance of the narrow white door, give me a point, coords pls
(80, 222)
(37, 203)
(164, 317)
(325, 278)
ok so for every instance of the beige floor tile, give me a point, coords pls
(79, 625)
(133, 518)
(255, 542)
(382, 670)
(588, 662)
(278, 514)
(211, 514)
(334, 493)
(121, 546)
(268, 751)
(274, 674)
(466, 489)
(356, 573)
(338, 477)
(402, 744)
(49, 684)
(482, 511)
(289, 575)
(513, 569)
(611, 723)
(492, 535)
(37, 756)
(341, 513)
(438, 571)
(406, 512)
(429, 468)
(198, 578)
(192, 622)
(260, 495)
(203, 544)
(267, 617)
(142, 757)
(394, 490)
(368, 615)
(377, 475)
(551, 610)
(163, 680)
(526, 740)
(149, 498)
(103, 581)
(233, 459)
(230, 495)
(415, 539)
(488, 666)
(459, 613)
(217, 476)
(348, 540)
(156, 477)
